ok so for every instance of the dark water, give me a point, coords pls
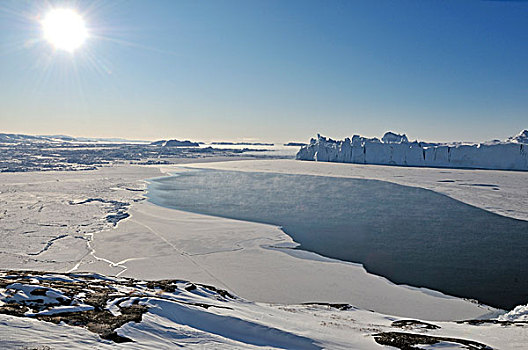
(409, 235)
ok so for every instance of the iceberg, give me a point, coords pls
(175, 143)
(521, 138)
(396, 149)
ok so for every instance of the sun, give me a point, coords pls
(64, 29)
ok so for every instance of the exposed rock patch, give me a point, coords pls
(413, 324)
(97, 303)
(411, 341)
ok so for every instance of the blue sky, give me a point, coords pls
(277, 70)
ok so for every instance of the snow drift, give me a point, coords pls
(395, 149)
(92, 311)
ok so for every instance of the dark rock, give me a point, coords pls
(411, 341)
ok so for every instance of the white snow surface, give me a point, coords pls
(42, 230)
(520, 313)
(18, 292)
(395, 149)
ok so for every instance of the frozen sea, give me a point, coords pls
(410, 235)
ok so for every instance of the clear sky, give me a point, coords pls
(269, 70)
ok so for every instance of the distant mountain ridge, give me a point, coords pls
(19, 137)
(12, 138)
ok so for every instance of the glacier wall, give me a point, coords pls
(394, 149)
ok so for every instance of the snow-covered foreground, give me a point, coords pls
(59, 221)
(86, 311)
(394, 149)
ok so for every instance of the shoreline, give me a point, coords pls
(239, 259)
(256, 253)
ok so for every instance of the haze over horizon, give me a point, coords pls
(269, 71)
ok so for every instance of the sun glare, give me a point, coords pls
(64, 29)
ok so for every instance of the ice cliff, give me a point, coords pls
(395, 149)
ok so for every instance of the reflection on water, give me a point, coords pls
(409, 235)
